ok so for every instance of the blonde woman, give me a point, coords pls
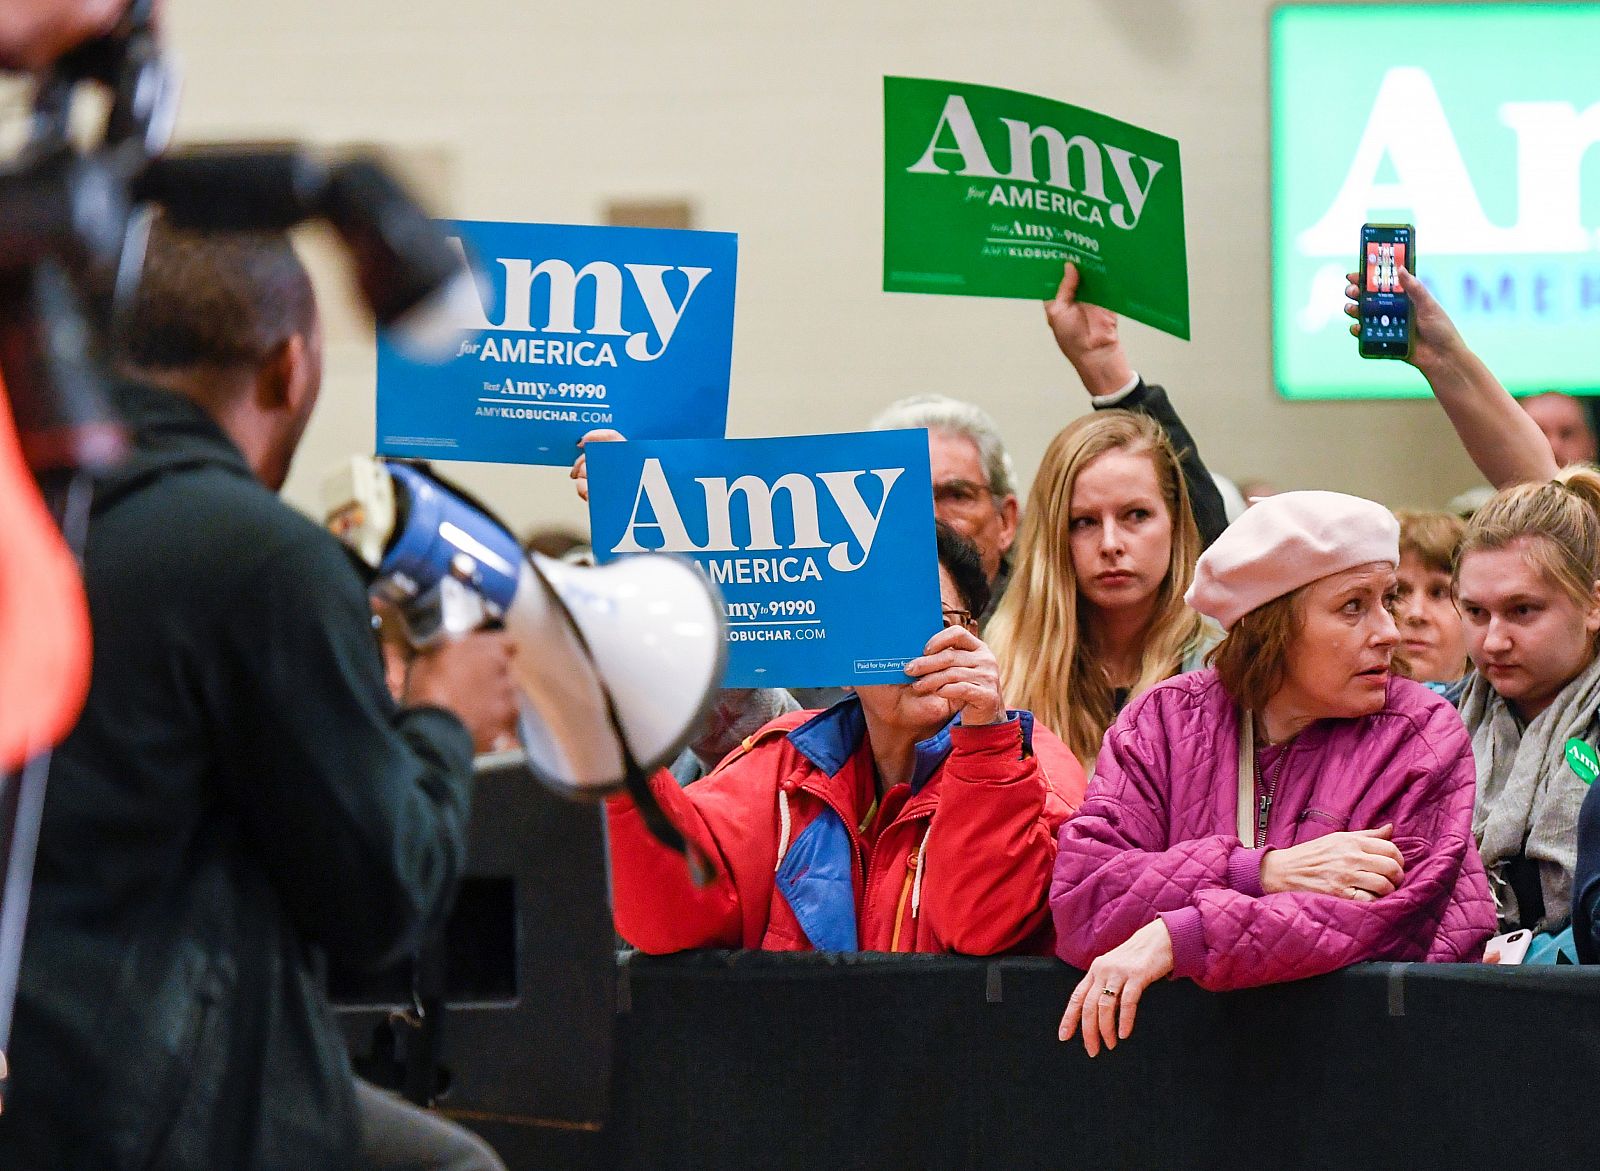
(1526, 584)
(1095, 613)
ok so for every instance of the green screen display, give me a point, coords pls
(1473, 122)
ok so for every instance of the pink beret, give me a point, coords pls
(1284, 542)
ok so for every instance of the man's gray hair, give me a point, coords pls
(939, 413)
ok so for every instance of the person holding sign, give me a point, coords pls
(1088, 337)
(1095, 615)
(910, 817)
(1297, 808)
(974, 485)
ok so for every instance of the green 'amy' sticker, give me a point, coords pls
(1581, 759)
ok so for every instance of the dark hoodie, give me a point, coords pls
(241, 797)
(1586, 880)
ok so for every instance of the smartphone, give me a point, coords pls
(1513, 946)
(1385, 309)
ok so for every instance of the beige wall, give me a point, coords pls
(768, 118)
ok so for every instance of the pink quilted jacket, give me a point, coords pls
(1156, 835)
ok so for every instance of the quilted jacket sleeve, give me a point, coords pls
(1114, 870)
(729, 817)
(993, 840)
(1442, 910)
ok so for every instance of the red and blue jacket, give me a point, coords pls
(809, 858)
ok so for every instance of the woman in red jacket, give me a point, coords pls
(910, 817)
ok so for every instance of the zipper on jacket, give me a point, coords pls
(1270, 791)
(905, 895)
(913, 810)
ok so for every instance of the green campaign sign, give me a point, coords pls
(1475, 122)
(987, 191)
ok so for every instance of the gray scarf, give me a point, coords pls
(1528, 797)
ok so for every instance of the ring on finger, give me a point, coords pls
(1111, 992)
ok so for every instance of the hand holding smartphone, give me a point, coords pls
(1385, 309)
(1509, 948)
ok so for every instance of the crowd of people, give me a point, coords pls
(1158, 735)
(1166, 730)
(1166, 735)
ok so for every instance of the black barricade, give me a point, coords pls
(749, 1060)
(812, 1062)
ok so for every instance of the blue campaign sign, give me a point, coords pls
(579, 328)
(822, 545)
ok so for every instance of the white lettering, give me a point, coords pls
(1408, 126)
(664, 315)
(1122, 164)
(758, 510)
(758, 570)
(956, 117)
(862, 520)
(758, 496)
(1054, 201)
(974, 159)
(1058, 151)
(562, 283)
(669, 523)
(1552, 140)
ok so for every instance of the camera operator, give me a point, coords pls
(242, 795)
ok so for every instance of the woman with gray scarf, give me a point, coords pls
(1526, 585)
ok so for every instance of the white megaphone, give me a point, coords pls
(617, 664)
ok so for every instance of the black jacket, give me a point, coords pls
(1586, 880)
(241, 797)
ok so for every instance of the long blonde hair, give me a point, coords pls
(1042, 633)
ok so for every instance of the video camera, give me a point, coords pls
(73, 221)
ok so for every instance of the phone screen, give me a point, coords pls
(1385, 309)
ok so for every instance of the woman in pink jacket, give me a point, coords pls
(1295, 808)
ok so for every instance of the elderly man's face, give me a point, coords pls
(1565, 424)
(962, 499)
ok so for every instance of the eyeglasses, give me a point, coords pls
(954, 617)
(960, 493)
